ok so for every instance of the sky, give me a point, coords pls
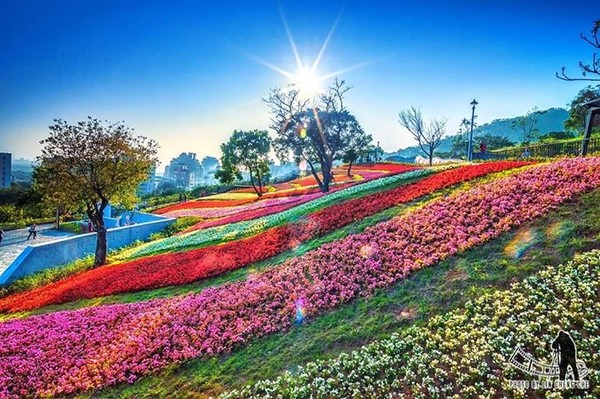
(188, 73)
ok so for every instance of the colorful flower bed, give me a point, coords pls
(186, 267)
(67, 351)
(211, 213)
(200, 203)
(234, 231)
(465, 354)
(181, 268)
(254, 214)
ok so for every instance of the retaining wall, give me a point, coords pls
(63, 251)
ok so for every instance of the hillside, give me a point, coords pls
(401, 279)
(550, 120)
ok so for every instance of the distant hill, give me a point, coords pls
(550, 120)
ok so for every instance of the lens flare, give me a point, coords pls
(523, 241)
(300, 311)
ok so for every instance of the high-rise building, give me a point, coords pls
(185, 170)
(149, 185)
(5, 169)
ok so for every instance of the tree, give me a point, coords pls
(89, 164)
(358, 145)
(587, 69)
(246, 151)
(495, 142)
(578, 111)
(318, 131)
(428, 136)
(527, 125)
(555, 136)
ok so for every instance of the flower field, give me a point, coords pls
(185, 267)
(452, 354)
(70, 351)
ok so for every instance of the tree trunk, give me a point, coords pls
(326, 167)
(315, 174)
(100, 246)
(350, 169)
(260, 184)
(257, 191)
(97, 218)
(431, 157)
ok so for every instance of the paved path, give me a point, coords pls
(15, 241)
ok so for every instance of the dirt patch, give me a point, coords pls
(409, 313)
(456, 275)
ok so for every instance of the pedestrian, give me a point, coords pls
(90, 226)
(483, 149)
(32, 231)
(180, 198)
(1, 236)
(526, 153)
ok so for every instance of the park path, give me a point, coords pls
(15, 241)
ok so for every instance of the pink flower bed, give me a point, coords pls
(212, 213)
(70, 351)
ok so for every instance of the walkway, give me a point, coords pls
(15, 241)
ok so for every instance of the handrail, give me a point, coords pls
(549, 150)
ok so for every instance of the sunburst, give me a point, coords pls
(306, 79)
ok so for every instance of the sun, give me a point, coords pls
(306, 80)
(307, 83)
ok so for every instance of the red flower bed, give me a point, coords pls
(186, 267)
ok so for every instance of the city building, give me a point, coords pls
(185, 171)
(5, 169)
(148, 186)
(210, 165)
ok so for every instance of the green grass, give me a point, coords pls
(573, 228)
(73, 227)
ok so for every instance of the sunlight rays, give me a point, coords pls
(290, 38)
(307, 79)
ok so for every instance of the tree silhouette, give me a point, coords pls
(586, 69)
(428, 136)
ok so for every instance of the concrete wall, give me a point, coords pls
(60, 252)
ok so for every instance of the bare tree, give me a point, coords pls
(527, 124)
(594, 67)
(429, 136)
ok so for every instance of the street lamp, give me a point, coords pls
(470, 149)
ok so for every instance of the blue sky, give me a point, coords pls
(185, 73)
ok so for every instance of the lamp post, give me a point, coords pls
(470, 149)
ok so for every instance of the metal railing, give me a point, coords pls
(567, 148)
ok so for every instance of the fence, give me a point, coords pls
(56, 253)
(567, 148)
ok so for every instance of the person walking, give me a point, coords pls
(32, 231)
(1, 236)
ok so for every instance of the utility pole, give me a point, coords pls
(470, 148)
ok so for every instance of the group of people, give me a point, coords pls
(183, 198)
